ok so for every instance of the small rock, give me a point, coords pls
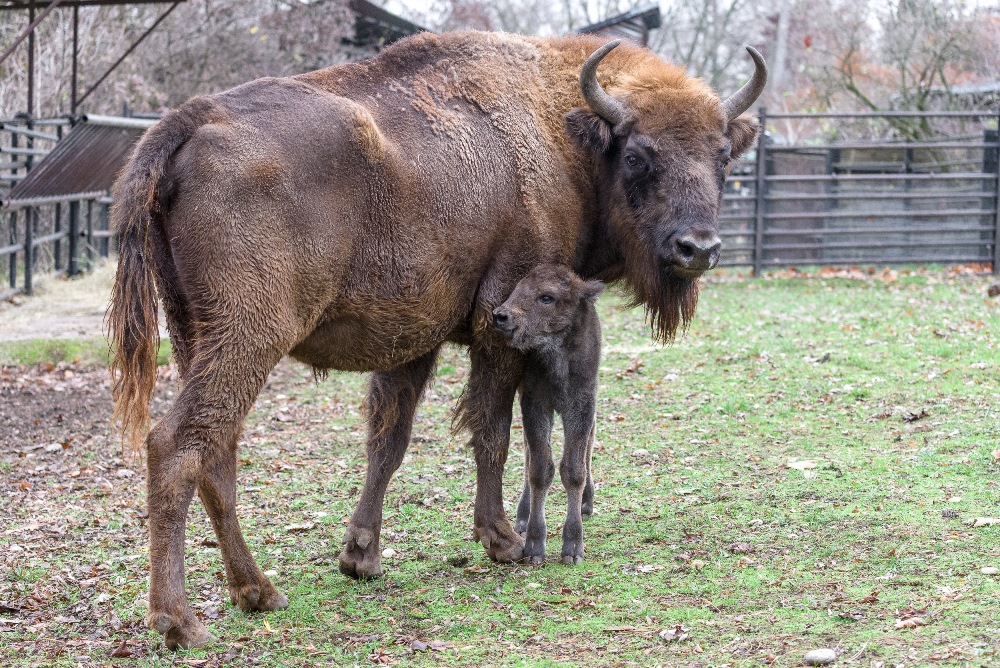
(989, 570)
(949, 513)
(271, 573)
(388, 553)
(819, 657)
(641, 452)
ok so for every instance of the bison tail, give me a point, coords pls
(132, 315)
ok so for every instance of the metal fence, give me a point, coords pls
(54, 187)
(865, 197)
(866, 200)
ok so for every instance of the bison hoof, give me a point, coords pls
(185, 632)
(360, 558)
(501, 544)
(258, 597)
(521, 527)
(572, 559)
(587, 509)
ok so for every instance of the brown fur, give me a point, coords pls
(358, 217)
(551, 317)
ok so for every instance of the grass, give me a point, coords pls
(52, 351)
(706, 548)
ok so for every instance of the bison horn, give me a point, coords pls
(597, 98)
(741, 100)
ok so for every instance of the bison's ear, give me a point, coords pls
(742, 132)
(588, 130)
(592, 290)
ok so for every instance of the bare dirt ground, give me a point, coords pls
(61, 308)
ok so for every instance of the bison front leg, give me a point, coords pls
(574, 470)
(486, 409)
(536, 412)
(392, 400)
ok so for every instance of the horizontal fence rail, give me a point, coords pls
(868, 195)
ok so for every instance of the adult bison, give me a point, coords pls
(360, 216)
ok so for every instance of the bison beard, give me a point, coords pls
(669, 300)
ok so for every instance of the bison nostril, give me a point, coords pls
(686, 249)
(697, 253)
(499, 318)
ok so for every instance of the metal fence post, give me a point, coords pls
(996, 203)
(90, 234)
(29, 249)
(12, 258)
(72, 268)
(758, 237)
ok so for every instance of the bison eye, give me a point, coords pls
(546, 299)
(632, 160)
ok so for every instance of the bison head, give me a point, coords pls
(663, 145)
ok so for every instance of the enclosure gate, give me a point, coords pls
(932, 198)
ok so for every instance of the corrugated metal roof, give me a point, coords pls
(87, 160)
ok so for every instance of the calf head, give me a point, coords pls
(663, 144)
(541, 311)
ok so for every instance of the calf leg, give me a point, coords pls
(537, 416)
(485, 409)
(392, 401)
(588, 489)
(578, 424)
(194, 446)
(524, 503)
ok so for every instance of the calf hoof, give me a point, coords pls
(501, 544)
(521, 527)
(534, 551)
(572, 553)
(360, 558)
(183, 632)
(587, 509)
(258, 597)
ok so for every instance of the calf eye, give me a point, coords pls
(546, 299)
(631, 160)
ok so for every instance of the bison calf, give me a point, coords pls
(550, 316)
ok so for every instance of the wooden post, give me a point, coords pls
(761, 204)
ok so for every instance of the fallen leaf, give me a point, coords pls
(122, 651)
(300, 528)
(801, 465)
(677, 633)
(913, 417)
(911, 623)
(985, 521)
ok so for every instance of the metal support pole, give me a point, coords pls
(29, 249)
(128, 51)
(12, 269)
(758, 239)
(90, 234)
(105, 226)
(31, 72)
(31, 27)
(996, 204)
(76, 57)
(57, 222)
(72, 267)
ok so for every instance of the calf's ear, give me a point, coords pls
(588, 130)
(742, 132)
(592, 290)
